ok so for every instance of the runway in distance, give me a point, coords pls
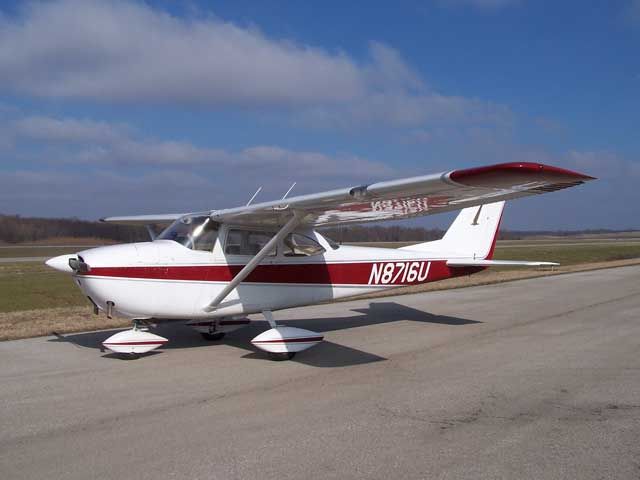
(213, 268)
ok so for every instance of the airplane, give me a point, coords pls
(211, 269)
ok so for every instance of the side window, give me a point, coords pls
(256, 241)
(234, 242)
(296, 245)
(244, 242)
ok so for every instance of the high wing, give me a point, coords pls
(158, 219)
(410, 197)
(398, 199)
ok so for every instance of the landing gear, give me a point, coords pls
(215, 330)
(134, 342)
(213, 337)
(281, 357)
(282, 343)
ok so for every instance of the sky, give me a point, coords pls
(131, 107)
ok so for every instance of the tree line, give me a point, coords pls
(17, 229)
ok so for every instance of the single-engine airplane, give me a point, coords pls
(213, 268)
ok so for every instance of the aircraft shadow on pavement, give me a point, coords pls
(375, 314)
(327, 354)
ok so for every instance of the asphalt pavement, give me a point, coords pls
(536, 378)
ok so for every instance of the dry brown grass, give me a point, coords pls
(34, 323)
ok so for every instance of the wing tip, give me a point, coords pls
(494, 175)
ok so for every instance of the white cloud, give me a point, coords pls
(396, 109)
(311, 164)
(63, 159)
(49, 129)
(91, 143)
(127, 51)
(604, 164)
(55, 193)
(118, 51)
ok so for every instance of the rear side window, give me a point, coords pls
(247, 242)
(297, 245)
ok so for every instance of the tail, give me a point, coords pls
(472, 235)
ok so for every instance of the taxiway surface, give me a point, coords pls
(536, 379)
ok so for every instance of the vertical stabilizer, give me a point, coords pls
(472, 234)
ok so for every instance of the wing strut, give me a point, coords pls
(253, 263)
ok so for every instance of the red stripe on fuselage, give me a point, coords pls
(290, 340)
(311, 273)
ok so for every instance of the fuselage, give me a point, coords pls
(163, 279)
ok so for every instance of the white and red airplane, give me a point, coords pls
(213, 268)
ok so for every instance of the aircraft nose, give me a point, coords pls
(61, 263)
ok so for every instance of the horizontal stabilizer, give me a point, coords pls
(498, 263)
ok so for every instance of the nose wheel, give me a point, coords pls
(281, 357)
(213, 334)
(215, 330)
(213, 337)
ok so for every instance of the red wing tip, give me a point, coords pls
(516, 169)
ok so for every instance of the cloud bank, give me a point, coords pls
(101, 144)
(50, 163)
(129, 52)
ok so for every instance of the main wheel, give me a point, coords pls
(213, 337)
(279, 357)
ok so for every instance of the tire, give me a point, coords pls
(213, 337)
(280, 357)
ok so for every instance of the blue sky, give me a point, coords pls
(110, 108)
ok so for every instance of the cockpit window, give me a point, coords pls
(247, 242)
(332, 243)
(296, 245)
(194, 232)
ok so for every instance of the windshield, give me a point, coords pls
(332, 243)
(196, 233)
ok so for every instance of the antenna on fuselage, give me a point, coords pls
(289, 191)
(254, 195)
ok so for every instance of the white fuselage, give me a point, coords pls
(165, 280)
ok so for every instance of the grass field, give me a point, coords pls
(570, 254)
(29, 286)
